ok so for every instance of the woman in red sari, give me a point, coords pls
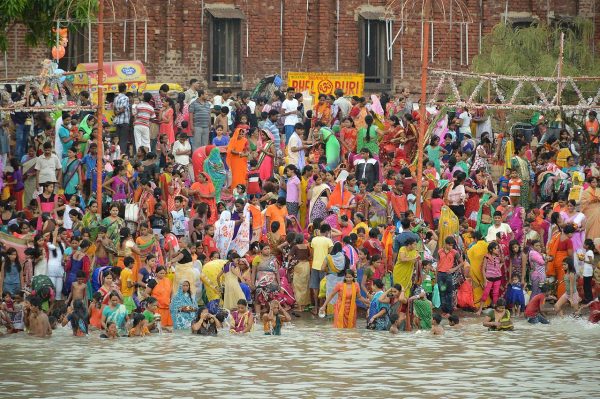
(348, 291)
(560, 247)
(204, 192)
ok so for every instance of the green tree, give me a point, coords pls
(534, 51)
(39, 17)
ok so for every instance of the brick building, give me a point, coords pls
(234, 43)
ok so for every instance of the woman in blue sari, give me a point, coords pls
(183, 307)
(115, 312)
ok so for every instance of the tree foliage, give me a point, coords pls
(534, 51)
(39, 17)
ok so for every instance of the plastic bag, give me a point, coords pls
(435, 298)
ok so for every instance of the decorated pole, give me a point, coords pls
(423, 107)
(99, 141)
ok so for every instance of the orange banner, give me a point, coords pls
(327, 82)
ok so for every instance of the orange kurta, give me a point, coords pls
(162, 293)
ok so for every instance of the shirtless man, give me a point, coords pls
(37, 321)
(78, 288)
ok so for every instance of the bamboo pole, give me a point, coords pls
(100, 105)
(423, 110)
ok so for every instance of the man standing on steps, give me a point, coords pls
(200, 120)
(122, 117)
(289, 109)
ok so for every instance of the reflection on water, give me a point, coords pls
(310, 360)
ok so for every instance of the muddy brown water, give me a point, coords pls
(310, 360)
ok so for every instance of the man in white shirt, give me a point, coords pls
(296, 147)
(465, 126)
(498, 227)
(182, 150)
(343, 105)
(143, 113)
(48, 167)
(289, 109)
(192, 93)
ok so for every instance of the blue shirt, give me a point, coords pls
(64, 133)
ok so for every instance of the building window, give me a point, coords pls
(225, 60)
(373, 55)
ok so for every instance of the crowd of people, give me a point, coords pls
(227, 212)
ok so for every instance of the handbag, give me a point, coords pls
(132, 212)
(464, 296)
(435, 298)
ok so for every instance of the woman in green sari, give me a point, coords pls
(377, 206)
(91, 219)
(332, 146)
(113, 224)
(486, 212)
(368, 137)
(213, 166)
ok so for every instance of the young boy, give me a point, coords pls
(453, 320)
(436, 328)
(394, 320)
(179, 221)
(533, 311)
(503, 189)
(37, 321)
(514, 188)
(78, 288)
(221, 120)
(128, 284)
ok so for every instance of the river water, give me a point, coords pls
(310, 360)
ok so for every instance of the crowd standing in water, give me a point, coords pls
(238, 214)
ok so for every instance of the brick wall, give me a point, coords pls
(178, 48)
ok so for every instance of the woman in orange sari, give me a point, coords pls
(237, 158)
(162, 293)
(204, 192)
(342, 196)
(348, 291)
(560, 247)
(590, 206)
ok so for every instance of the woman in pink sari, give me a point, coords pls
(515, 221)
(578, 220)
(286, 293)
(266, 155)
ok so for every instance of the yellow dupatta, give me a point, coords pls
(508, 154)
(342, 307)
(448, 225)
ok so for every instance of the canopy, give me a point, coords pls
(133, 73)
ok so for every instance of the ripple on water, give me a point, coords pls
(310, 360)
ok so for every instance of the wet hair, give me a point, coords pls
(137, 319)
(570, 265)
(437, 318)
(453, 319)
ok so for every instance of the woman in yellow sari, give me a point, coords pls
(377, 206)
(237, 158)
(590, 206)
(448, 225)
(405, 264)
(476, 254)
(348, 291)
(307, 173)
(210, 272)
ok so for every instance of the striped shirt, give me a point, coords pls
(121, 103)
(514, 187)
(143, 113)
(200, 111)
